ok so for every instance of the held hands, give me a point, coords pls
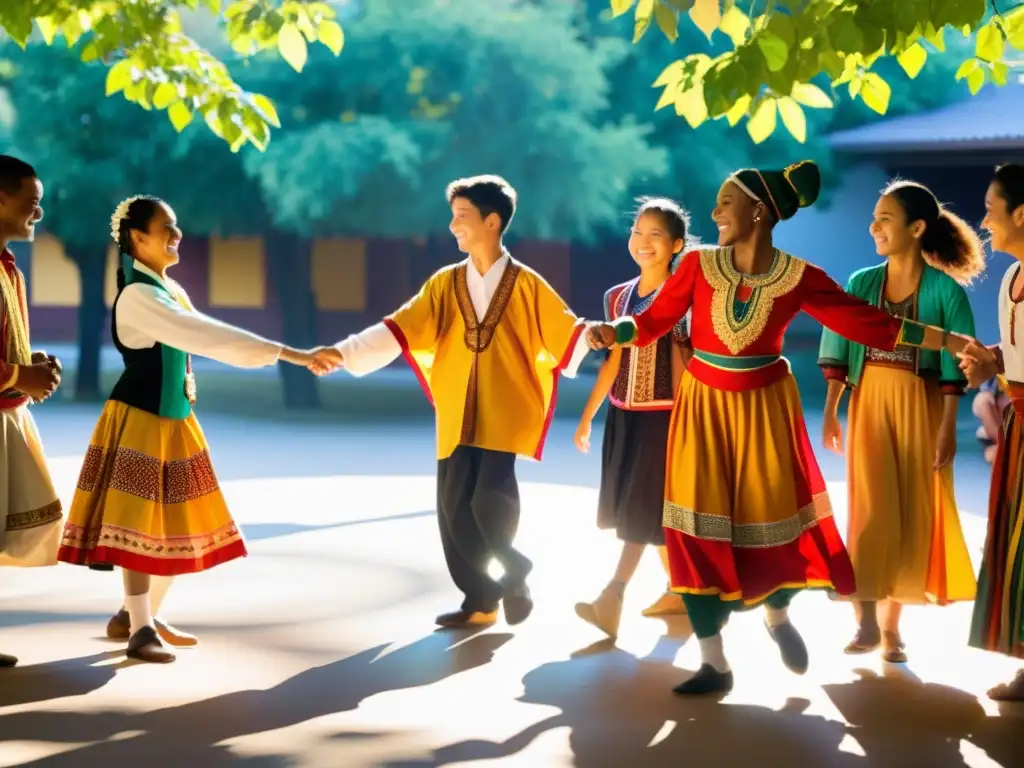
(978, 363)
(600, 336)
(326, 360)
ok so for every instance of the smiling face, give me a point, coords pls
(734, 214)
(20, 211)
(1004, 227)
(650, 243)
(891, 231)
(157, 247)
(471, 230)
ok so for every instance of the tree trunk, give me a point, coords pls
(92, 314)
(288, 260)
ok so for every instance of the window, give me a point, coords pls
(339, 274)
(238, 276)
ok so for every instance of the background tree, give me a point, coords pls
(155, 64)
(766, 55)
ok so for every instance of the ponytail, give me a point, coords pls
(952, 246)
(948, 243)
(121, 282)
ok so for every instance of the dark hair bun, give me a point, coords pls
(805, 177)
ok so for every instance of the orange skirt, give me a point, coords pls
(148, 500)
(746, 509)
(904, 531)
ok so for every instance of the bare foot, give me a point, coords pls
(1012, 691)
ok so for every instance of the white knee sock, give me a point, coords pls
(138, 611)
(158, 587)
(712, 652)
(776, 617)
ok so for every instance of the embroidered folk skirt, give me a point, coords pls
(904, 532)
(997, 624)
(30, 512)
(148, 499)
(633, 474)
(746, 511)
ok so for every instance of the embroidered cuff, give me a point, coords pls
(958, 388)
(911, 333)
(833, 372)
(625, 330)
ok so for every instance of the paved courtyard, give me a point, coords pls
(319, 649)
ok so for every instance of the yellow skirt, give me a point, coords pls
(904, 532)
(148, 499)
(746, 509)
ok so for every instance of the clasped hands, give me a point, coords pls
(325, 360)
(979, 363)
(40, 379)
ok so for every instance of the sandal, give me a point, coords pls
(861, 644)
(894, 653)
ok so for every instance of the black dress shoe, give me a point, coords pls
(518, 604)
(8, 661)
(145, 645)
(707, 680)
(791, 646)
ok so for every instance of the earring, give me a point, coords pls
(757, 218)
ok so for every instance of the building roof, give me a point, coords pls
(991, 120)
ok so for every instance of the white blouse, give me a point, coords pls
(377, 347)
(146, 316)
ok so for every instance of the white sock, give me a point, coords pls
(776, 617)
(138, 611)
(713, 652)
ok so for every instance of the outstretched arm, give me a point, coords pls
(146, 316)
(864, 323)
(671, 305)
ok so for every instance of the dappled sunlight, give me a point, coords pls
(320, 648)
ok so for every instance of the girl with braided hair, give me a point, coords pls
(147, 498)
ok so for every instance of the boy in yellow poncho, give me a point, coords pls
(487, 338)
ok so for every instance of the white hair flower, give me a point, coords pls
(119, 213)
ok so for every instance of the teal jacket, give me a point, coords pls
(941, 301)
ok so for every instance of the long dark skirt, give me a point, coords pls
(633, 474)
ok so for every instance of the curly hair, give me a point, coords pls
(949, 243)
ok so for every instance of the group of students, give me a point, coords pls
(705, 454)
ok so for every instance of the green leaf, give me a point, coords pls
(1000, 73)
(668, 96)
(671, 74)
(875, 92)
(988, 45)
(735, 24)
(976, 80)
(165, 95)
(774, 49)
(292, 46)
(330, 35)
(692, 107)
(266, 108)
(90, 52)
(706, 16)
(620, 7)
(912, 60)
(179, 115)
(738, 110)
(668, 21)
(642, 19)
(793, 118)
(47, 28)
(761, 124)
(1013, 23)
(119, 76)
(965, 69)
(935, 36)
(811, 95)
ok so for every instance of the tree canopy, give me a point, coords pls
(767, 54)
(154, 64)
